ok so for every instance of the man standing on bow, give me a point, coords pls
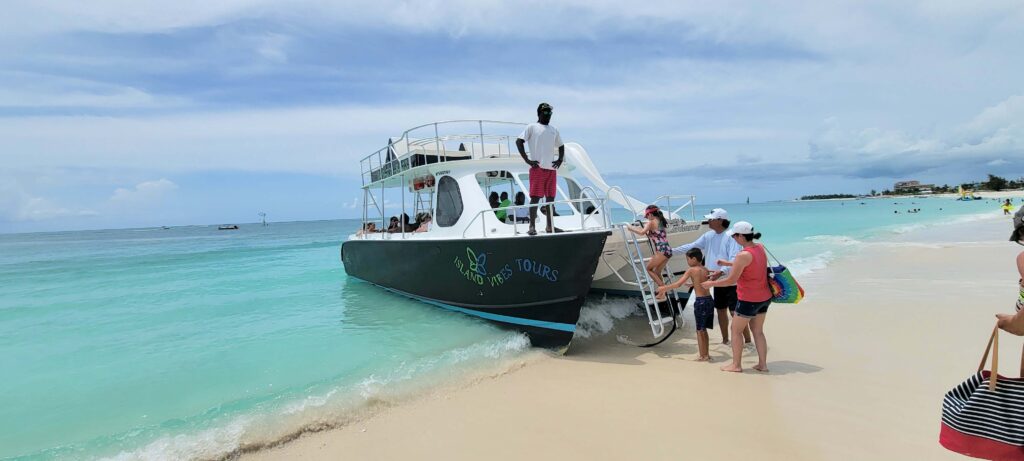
(543, 139)
(718, 244)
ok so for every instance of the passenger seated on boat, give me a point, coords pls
(493, 201)
(409, 227)
(522, 214)
(424, 220)
(502, 212)
(393, 225)
(368, 228)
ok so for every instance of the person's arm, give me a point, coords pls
(643, 230)
(678, 283)
(724, 262)
(1020, 265)
(699, 243)
(521, 145)
(561, 157)
(1011, 323)
(741, 261)
(731, 250)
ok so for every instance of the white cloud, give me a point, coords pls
(144, 192)
(17, 204)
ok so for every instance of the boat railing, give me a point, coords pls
(690, 201)
(434, 142)
(585, 218)
(625, 198)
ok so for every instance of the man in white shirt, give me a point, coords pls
(718, 244)
(543, 139)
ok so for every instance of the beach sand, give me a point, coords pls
(858, 371)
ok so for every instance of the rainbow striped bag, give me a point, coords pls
(784, 286)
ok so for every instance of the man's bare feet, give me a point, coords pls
(763, 369)
(705, 358)
(732, 368)
(725, 341)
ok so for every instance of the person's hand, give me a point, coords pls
(1011, 323)
(533, 163)
(715, 275)
(707, 284)
(556, 164)
(662, 289)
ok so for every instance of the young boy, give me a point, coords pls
(704, 305)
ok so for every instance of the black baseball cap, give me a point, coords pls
(545, 106)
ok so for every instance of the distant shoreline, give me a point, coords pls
(985, 195)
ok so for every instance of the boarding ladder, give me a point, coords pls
(648, 289)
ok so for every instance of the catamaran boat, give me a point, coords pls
(466, 255)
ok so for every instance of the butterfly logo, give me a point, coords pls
(476, 263)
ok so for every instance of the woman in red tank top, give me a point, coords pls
(750, 274)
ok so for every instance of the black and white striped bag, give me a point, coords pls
(983, 417)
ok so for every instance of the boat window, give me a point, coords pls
(449, 202)
(502, 184)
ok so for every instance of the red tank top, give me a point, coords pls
(752, 285)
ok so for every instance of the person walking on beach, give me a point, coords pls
(1014, 323)
(544, 140)
(717, 244)
(751, 279)
(654, 230)
(703, 306)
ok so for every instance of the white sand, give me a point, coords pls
(858, 371)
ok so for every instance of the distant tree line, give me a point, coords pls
(994, 183)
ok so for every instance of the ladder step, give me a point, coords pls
(664, 321)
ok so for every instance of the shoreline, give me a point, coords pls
(985, 195)
(838, 371)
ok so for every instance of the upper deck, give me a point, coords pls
(444, 141)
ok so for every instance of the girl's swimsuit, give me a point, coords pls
(660, 240)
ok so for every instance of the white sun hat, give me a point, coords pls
(717, 213)
(741, 227)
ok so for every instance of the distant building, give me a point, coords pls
(912, 187)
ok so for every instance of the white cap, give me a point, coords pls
(717, 213)
(741, 227)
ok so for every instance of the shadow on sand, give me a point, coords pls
(682, 345)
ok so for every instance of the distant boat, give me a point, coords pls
(228, 227)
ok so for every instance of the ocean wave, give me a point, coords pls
(599, 316)
(964, 219)
(804, 266)
(333, 408)
(843, 240)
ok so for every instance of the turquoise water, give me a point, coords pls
(193, 342)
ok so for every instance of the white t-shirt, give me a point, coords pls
(544, 142)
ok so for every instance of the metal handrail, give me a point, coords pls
(438, 140)
(625, 198)
(690, 203)
(515, 223)
(647, 294)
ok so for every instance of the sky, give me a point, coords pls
(128, 113)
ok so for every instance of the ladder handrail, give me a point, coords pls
(646, 285)
(648, 292)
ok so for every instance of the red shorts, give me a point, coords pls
(542, 182)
